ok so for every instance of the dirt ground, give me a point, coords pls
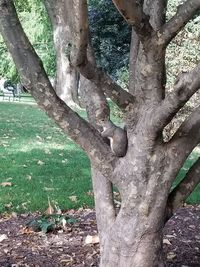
(20, 246)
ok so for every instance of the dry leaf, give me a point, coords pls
(47, 151)
(3, 237)
(4, 184)
(166, 241)
(50, 209)
(8, 205)
(29, 177)
(40, 162)
(38, 137)
(90, 193)
(171, 255)
(92, 239)
(73, 198)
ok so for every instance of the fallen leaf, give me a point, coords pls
(73, 198)
(14, 214)
(92, 239)
(38, 137)
(29, 177)
(166, 241)
(50, 209)
(171, 255)
(3, 237)
(4, 184)
(40, 162)
(47, 151)
(90, 193)
(8, 205)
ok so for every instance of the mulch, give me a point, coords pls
(22, 247)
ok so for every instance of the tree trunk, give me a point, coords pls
(145, 252)
(66, 82)
(145, 173)
(134, 236)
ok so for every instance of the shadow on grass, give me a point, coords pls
(36, 175)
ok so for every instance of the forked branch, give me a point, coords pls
(185, 86)
(112, 90)
(79, 58)
(35, 78)
(185, 12)
(184, 189)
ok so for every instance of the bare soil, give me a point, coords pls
(22, 247)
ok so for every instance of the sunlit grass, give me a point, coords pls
(41, 162)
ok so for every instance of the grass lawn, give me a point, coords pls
(40, 162)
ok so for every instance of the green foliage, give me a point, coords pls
(123, 77)
(183, 52)
(37, 26)
(47, 223)
(110, 36)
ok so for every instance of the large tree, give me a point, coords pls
(138, 162)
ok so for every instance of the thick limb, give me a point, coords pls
(186, 85)
(35, 79)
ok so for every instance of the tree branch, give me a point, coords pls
(80, 32)
(184, 140)
(185, 12)
(35, 79)
(81, 61)
(134, 50)
(183, 189)
(114, 91)
(185, 86)
(132, 11)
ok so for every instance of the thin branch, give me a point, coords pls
(185, 12)
(134, 50)
(184, 189)
(186, 138)
(114, 91)
(80, 59)
(132, 11)
(185, 86)
(35, 78)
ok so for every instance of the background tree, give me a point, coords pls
(133, 236)
(35, 21)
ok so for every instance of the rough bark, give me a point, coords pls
(144, 175)
(149, 71)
